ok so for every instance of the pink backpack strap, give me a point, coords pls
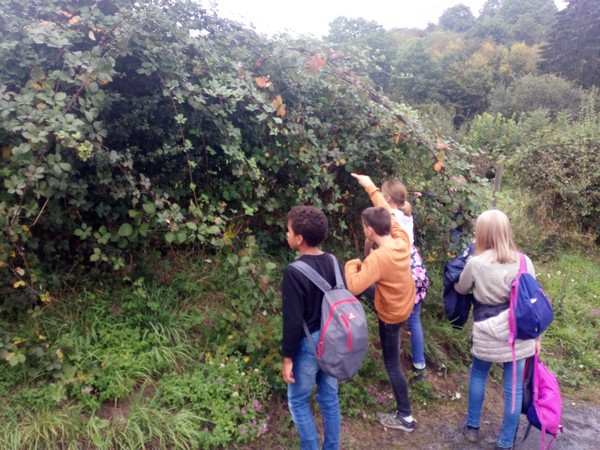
(522, 263)
(513, 327)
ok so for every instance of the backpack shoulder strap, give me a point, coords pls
(522, 263)
(312, 275)
(339, 281)
(320, 282)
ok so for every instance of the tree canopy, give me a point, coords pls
(457, 18)
(573, 45)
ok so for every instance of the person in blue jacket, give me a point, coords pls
(457, 307)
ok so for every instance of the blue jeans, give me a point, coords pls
(389, 334)
(417, 345)
(306, 373)
(479, 373)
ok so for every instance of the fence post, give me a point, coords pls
(497, 182)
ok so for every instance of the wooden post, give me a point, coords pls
(497, 182)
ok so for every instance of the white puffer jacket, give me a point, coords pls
(490, 341)
(490, 283)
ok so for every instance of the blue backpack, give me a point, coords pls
(344, 331)
(530, 309)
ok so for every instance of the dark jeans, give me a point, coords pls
(390, 347)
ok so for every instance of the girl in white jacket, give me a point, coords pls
(489, 274)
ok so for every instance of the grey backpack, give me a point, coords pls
(344, 333)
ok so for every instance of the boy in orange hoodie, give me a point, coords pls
(388, 266)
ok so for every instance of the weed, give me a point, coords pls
(227, 396)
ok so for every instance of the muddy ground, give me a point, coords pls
(438, 426)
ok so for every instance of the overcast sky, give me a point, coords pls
(313, 16)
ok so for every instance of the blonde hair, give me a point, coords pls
(493, 231)
(397, 193)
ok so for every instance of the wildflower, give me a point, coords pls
(219, 379)
(244, 411)
(235, 394)
(256, 405)
(87, 390)
(246, 358)
(262, 429)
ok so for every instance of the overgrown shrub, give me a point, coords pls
(559, 163)
(158, 123)
(532, 92)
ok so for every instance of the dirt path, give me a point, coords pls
(581, 423)
(438, 428)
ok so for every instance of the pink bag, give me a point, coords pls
(545, 408)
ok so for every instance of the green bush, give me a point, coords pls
(116, 138)
(533, 92)
(558, 163)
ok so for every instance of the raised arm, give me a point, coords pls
(378, 200)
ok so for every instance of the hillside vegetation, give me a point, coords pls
(150, 152)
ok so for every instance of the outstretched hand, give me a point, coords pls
(363, 180)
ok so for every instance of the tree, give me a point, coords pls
(521, 60)
(573, 44)
(466, 85)
(343, 29)
(490, 8)
(510, 21)
(422, 74)
(369, 38)
(458, 18)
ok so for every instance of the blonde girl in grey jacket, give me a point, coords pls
(489, 274)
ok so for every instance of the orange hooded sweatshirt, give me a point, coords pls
(389, 268)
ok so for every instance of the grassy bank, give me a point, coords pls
(184, 352)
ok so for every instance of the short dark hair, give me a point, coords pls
(379, 219)
(310, 223)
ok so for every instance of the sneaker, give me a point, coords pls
(396, 422)
(418, 374)
(471, 434)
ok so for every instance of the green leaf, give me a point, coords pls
(213, 229)
(150, 208)
(170, 237)
(125, 230)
